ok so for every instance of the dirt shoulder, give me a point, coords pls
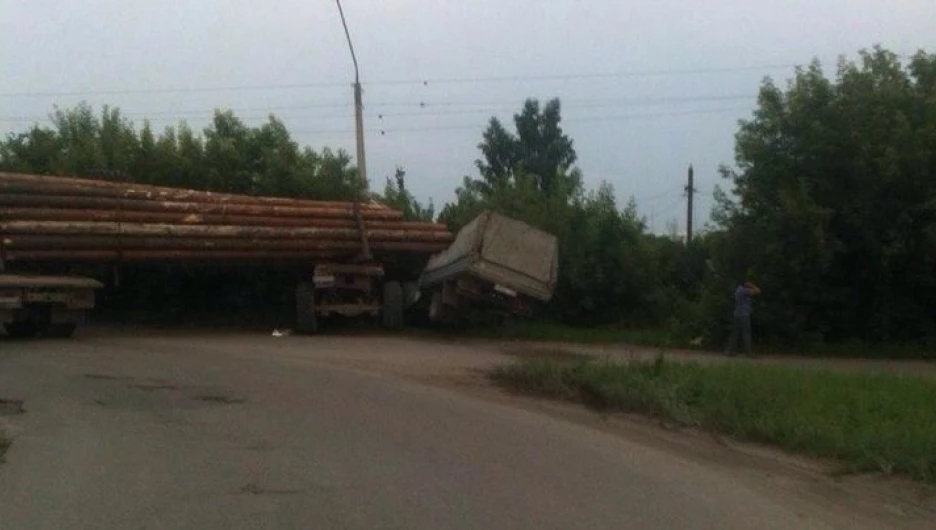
(623, 352)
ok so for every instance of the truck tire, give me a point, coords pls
(21, 330)
(61, 330)
(306, 320)
(393, 305)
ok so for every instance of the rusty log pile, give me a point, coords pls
(45, 218)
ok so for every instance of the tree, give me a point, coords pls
(36, 151)
(539, 150)
(397, 196)
(228, 156)
(118, 142)
(545, 151)
(78, 131)
(835, 183)
(605, 273)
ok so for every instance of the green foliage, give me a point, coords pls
(871, 422)
(836, 203)
(540, 151)
(397, 196)
(228, 156)
(609, 270)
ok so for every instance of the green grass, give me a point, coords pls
(551, 332)
(866, 350)
(662, 337)
(868, 422)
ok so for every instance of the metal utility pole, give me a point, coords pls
(359, 134)
(358, 106)
(690, 189)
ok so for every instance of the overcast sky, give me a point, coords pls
(647, 86)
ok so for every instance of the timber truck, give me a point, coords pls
(351, 258)
(496, 263)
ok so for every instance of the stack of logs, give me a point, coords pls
(45, 218)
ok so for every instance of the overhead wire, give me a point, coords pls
(489, 107)
(583, 76)
(397, 82)
(661, 212)
(591, 119)
(670, 205)
(657, 196)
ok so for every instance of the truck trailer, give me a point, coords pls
(50, 306)
(355, 257)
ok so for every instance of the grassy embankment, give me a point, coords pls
(552, 332)
(868, 422)
(662, 337)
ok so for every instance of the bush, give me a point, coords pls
(870, 422)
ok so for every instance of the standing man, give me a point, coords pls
(742, 316)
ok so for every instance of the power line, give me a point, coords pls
(479, 126)
(650, 198)
(583, 119)
(577, 120)
(487, 106)
(658, 114)
(677, 202)
(424, 82)
(586, 76)
(505, 106)
(590, 76)
(662, 212)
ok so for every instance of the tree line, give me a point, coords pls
(830, 203)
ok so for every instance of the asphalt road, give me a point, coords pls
(218, 430)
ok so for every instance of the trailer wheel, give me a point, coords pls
(306, 321)
(21, 330)
(61, 330)
(393, 305)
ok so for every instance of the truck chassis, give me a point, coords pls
(50, 306)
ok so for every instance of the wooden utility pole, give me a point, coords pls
(690, 189)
